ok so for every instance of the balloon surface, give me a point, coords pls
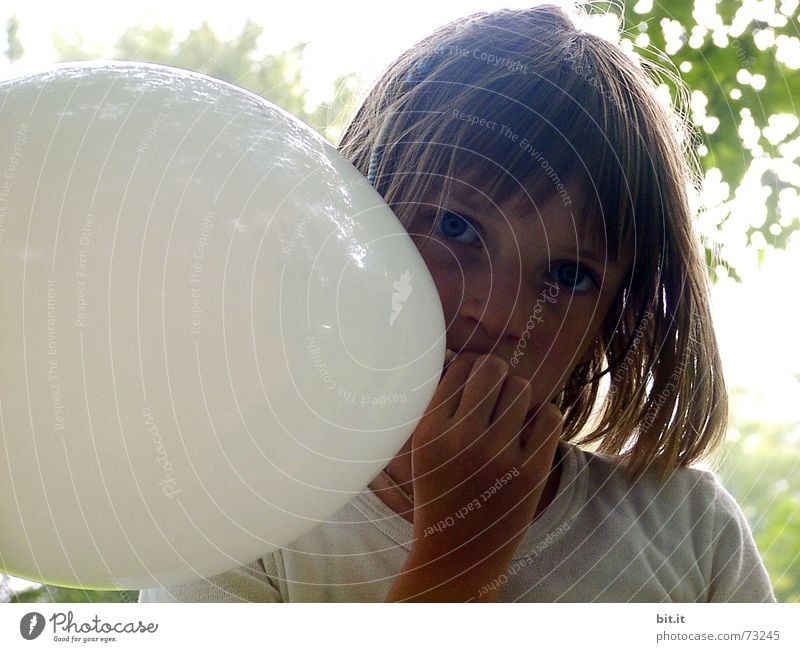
(214, 331)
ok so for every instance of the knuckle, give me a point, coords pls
(491, 364)
(551, 415)
(518, 384)
(463, 361)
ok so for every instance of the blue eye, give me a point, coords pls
(573, 276)
(451, 225)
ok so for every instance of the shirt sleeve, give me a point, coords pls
(254, 582)
(738, 573)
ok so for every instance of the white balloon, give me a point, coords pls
(214, 331)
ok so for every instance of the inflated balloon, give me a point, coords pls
(214, 331)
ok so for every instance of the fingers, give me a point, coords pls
(482, 390)
(449, 354)
(479, 389)
(448, 394)
(512, 405)
(541, 436)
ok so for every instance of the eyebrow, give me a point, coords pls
(581, 254)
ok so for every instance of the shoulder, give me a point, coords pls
(689, 514)
(686, 489)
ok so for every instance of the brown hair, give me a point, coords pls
(589, 111)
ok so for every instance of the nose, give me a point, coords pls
(495, 304)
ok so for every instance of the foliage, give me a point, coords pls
(740, 59)
(277, 77)
(14, 49)
(46, 593)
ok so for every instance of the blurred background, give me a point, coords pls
(739, 60)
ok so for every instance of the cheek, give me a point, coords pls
(447, 276)
(557, 344)
(578, 328)
(578, 338)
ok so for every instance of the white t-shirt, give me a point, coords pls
(602, 539)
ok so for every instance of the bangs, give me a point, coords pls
(542, 133)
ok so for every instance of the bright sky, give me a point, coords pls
(757, 321)
(348, 35)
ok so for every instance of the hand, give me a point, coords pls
(481, 456)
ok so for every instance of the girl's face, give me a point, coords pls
(529, 282)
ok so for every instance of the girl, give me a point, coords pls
(544, 186)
